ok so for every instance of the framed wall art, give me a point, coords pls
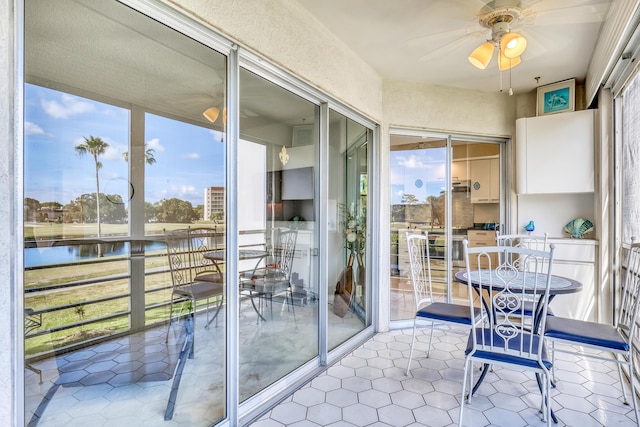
(557, 97)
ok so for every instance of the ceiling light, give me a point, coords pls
(482, 55)
(211, 113)
(513, 45)
(499, 16)
(505, 63)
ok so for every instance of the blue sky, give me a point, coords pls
(188, 158)
(417, 172)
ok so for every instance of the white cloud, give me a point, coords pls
(192, 156)
(32, 129)
(155, 144)
(69, 106)
(411, 162)
(112, 153)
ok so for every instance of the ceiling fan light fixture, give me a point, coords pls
(505, 63)
(513, 45)
(211, 113)
(481, 56)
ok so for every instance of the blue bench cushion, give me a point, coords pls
(580, 331)
(445, 312)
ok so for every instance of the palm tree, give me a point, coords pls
(96, 147)
(149, 156)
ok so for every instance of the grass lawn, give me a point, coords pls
(71, 300)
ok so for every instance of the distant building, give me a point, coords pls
(213, 201)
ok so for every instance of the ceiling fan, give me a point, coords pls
(498, 16)
(500, 22)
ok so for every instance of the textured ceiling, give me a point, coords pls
(428, 41)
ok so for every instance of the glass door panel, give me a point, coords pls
(117, 150)
(277, 211)
(419, 203)
(450, 189)
(347, 293)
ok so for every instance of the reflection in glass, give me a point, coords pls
(348, 188)
(277, 213)
(116, 151)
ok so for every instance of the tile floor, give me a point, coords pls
(369, 388)
(128, 381)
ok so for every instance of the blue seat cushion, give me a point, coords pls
(445, 312)
(582, 332)
(513, 344)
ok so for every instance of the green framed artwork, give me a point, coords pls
(557, 97)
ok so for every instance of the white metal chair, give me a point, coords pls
(185, 286)
(426, 306)
(620, 339)
(505, 288)
(528, 241)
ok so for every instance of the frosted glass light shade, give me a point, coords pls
(211, 114)
(482, 55)
(505, 63)
(513, 45)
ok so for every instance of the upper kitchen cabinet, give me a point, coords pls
(485, 180)
(555, 154)
(459, 171)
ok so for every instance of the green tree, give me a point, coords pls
(199, 210)
(175, 210)
(95, 147)
(149, 212)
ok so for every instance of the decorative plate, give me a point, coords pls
(578, 227)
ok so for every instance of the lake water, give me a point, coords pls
(63, 254)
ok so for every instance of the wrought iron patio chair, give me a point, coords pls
(427, 308)
(185, 287)
(501, 341)
(204, 240)
(275, 277)
(528, 241)
(619, 341)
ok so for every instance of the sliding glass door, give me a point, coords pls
(449, 188)
(277, 219)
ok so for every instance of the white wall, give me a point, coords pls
(286, 34)
(408, 104)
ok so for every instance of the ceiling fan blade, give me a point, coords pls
(438, 38)
(566, 15)
(445, 48)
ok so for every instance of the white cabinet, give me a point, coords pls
(555, 154)
(482, 238)
(459, 170)
(576, 259)
(485, 181)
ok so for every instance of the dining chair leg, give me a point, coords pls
(166, 339)
(624, 392)
(632, 384)
(546, 400)
(215, 315)
(553, 361)
(464, 385)
(430, 340)
(413, 340)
